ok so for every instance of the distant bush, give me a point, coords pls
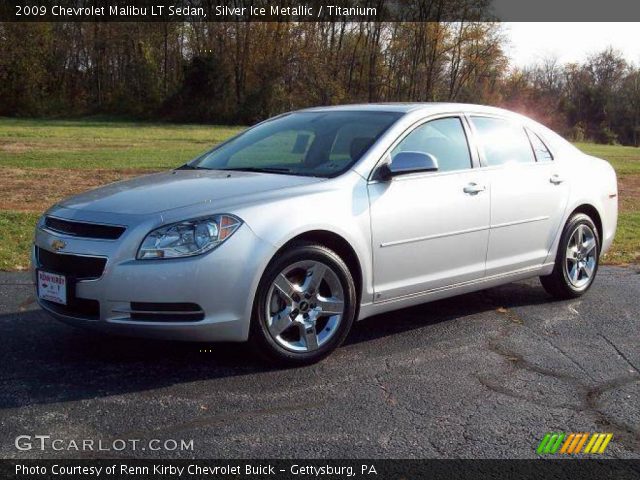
(203, 95)
(607, 136)
(578, 132)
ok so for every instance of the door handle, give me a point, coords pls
(474, 188)
(556, 179)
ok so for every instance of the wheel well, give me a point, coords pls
(339, 245)
(591, 211)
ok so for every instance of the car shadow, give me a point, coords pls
(43, 361)
(507, 296)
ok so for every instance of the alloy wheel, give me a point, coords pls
(305, 306)
(581, 256)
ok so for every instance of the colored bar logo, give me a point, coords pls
(573, 443)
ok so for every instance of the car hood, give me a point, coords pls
(179, 188)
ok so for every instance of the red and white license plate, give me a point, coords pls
(52, 287)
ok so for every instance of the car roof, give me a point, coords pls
(426, 107)
(435, 108)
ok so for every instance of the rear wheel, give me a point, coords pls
(304, 306)
(576, 261)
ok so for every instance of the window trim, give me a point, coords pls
(512, 121)
(530, 132)
(472, 147)
(532, 128)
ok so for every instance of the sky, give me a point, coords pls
(569, 42)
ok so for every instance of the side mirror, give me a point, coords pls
(408, 162)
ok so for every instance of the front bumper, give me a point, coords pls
(222, 283)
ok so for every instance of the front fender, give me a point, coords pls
(342, 209)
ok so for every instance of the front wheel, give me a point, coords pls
(305, 305)
(576, 261)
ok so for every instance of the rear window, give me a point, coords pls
(503, 141)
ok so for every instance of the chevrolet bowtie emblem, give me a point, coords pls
(58, 245)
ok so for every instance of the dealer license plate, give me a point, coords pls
(52, 287)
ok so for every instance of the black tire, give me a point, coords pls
(558, 283)
(260, 336)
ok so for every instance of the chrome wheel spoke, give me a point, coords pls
(314, 278)
(580, 236)
(330, 306)
(280, 322)
(588, 269)
(309, 336)
(575, 273)
(589, 246)
(285, 288)
(574, 242)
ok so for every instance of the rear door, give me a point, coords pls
(528, 194)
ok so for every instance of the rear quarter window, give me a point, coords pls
(540, 150)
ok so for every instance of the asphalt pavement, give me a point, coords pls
(484, 375)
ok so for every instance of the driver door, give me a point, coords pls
(430, 229)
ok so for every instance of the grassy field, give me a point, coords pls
(43, 161)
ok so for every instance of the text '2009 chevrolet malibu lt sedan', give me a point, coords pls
(289, 232)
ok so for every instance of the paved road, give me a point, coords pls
(482, 375)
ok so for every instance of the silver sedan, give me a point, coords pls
(289, 232)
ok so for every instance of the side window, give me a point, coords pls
(503, 141)
(444, 138)
(539, 148)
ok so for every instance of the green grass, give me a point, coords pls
(626, 246)
(16, 235)
(103, 144)
(93, 144)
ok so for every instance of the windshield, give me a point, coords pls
(322, 144)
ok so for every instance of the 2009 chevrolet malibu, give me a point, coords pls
(289, 232)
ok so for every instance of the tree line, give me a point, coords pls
(243, 72)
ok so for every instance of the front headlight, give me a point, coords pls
(188, 238)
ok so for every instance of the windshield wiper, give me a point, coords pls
(186, 166)
(259, 169)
